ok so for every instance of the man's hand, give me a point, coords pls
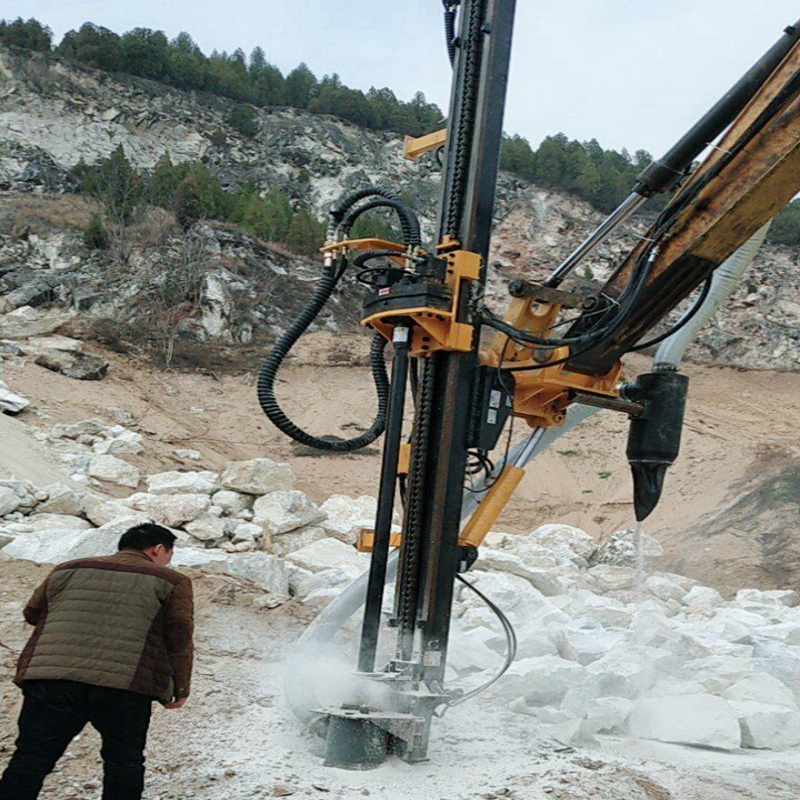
(179, 703)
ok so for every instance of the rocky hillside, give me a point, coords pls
(54, 114)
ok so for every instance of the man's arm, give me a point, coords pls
(37, 605)
(178, 633)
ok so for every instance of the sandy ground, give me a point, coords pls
(237, 740)
(740, 426)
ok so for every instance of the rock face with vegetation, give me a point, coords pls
(174, 216)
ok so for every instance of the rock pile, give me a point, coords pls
(603, 648)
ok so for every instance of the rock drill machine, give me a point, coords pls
(469, 371)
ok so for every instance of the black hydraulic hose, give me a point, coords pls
(684, 320)
(511, 645)
(409, 223)
(450, 12)
(269, 370)
(339, 209)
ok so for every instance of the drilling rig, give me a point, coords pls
(469, 371)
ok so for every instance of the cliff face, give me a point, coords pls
(52, 114)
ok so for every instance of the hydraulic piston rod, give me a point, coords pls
(664, 173)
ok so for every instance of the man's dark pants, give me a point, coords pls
(54, 712)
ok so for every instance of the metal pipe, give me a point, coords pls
(610, 224)
(383, 519)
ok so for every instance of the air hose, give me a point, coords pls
(342, 216)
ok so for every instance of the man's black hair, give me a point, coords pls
(143, 537)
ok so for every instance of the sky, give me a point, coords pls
(630, 73)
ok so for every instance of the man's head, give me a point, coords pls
(154, 541)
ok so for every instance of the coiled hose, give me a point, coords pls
(342, 217)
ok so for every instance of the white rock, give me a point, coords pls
(586, 646)
(247, 532)
(183, 483)
(619, 549)
(540, 680)
(285, 543)
(608, 578)
(608, 612)
(505, 590)
(54, 547)
(767, 727)
(501, 561)
(262, 569)
(232, 503)
(188, 455)
(86, 427)
(628, 670)
(605, 714)
(62, 499)
(776, 597)
(345, 516)
(207, 528)
(173, 510)
(265, 571)
(564, 536)
(670, 687)
(717, 673)
(761, 688)
(468, 652)
(58, 522)
(114, 470)
(259, 476)
(283, 511)
(696, 719)
(9, 501)
(664, 589)
(101, 511)
(325, 554)
(126, 443)
(10, 402)
(703, 598)
(123, 524)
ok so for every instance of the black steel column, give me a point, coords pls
(440, 450)
(383, 519)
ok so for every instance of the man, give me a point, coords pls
(111, 635)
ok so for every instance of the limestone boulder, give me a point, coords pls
(540, 680)
(766, 727)
(606, 715)
(124, 443)
(285, 543)
(114, 470)
(702, 720)
(232, 503)
(58, 522)
(173, 510)
(564, 537)
(55, 546)
(257, 477)
(609, 578)
(286, 510)
(208, 528)
(9, 501)
(761, 688)
(619, 550)
(345, 516)
(62, 499)
(11, 403)
(183, 483)
(500, 561)
(327, 554)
